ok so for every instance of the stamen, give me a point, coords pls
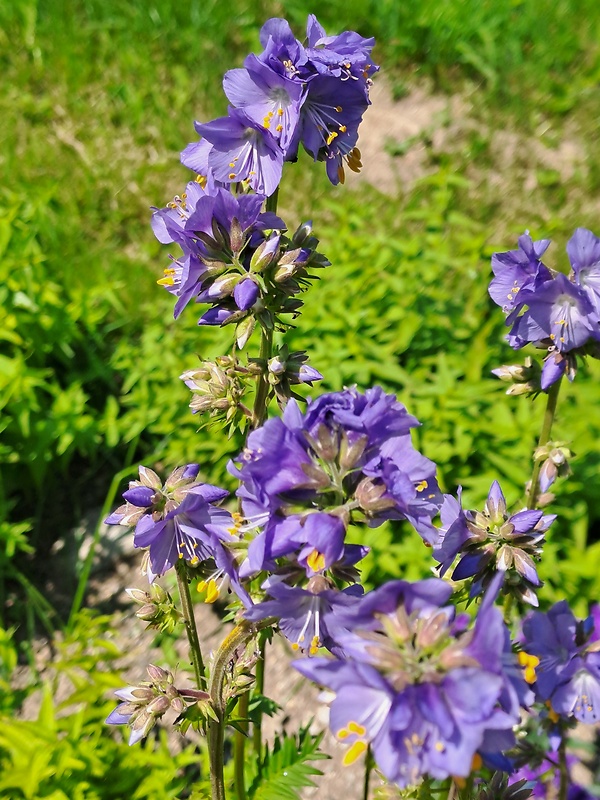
(355, 752)
(316, 561)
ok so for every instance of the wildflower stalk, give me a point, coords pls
(239, 743)
(259, 688)
(543, 440)
(239, 637)
(190, 623)
(562, 768)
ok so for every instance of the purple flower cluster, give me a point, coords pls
(554, 311)
(566, 652)
(306, 476)
(235, 258)
(292, 93)
(492, 541)
(420, 685)
(179, 520)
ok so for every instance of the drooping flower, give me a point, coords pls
(426, 690)
(567, 652)
(305, 476)
(493, 540)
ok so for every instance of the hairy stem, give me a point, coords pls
(239, 637)
(239, 743)
(190, 623)
(544, 439)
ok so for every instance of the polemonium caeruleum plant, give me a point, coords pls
(432, 683)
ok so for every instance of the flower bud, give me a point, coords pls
(147, 612)
(138, 595)
(370, 496)
(158, 706)
(157, 674)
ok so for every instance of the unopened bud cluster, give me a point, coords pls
(524, 378)
(218, 386)
(156, 608)
(146, 703)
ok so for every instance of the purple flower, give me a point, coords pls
(305, 476)
(329, 120)
(268, 97)
(177, 520)
(493, 541)
(419, 685)
(583, 249)
(309, 617)
(242, 149)
(567, 674)
(548, 308)
(347, 56)
(517, 270)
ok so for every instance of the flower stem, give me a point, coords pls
(190, 623)
(544, 439)
(239, 637)
(563, 769)
(368, 768)
(259, 688)
(259, 413)
(239, 743)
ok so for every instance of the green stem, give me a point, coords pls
(271, 204)
(544, 439)
(239, 743)
(190, 623)
(259, 413)
(563, 769)
(507, 608)
(239, 637)
(368, 769)
(260, 689)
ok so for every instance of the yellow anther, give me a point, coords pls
(316, 561)
(232, 163)
(338, 109)
(212, 591)
(280, 112)
(343, 129)
(440, 747)
(279, 128)
(267, 122)
(295, 646)
(552, 336)
(562, 338)
(529, 663)
(194, 560)
(354, 753)
(343, 734)
(202, 180)
(421, 486)
(231, 176)
(180, 555)
(357, 728)
(477, 762)
(331, 137)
